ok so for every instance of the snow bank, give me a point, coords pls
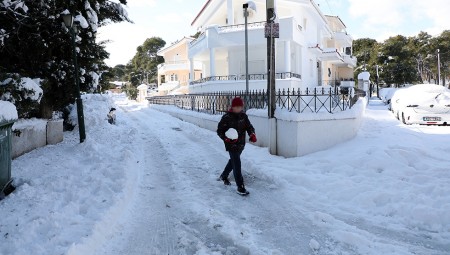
(8, 111)
(70, 192)
(96, 107)
(36, 124)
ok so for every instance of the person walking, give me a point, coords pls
(235, 120)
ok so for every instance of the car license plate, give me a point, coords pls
(431, 118)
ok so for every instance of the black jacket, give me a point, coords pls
(241, 123)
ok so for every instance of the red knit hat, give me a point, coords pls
(237, 101)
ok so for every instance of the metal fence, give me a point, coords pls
(317, 100)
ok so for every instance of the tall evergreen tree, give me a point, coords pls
(35, 43)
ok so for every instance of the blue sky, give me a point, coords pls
(378, 19)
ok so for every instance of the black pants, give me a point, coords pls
(234, 164)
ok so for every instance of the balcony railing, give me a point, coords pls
(241, 26)
(252, 77)
(316, 100)
(200, 37)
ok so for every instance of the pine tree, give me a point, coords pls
(35, 43)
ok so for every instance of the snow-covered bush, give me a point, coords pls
(24, 92)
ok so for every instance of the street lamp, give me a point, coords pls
(246, 6)
(439, 67)
(68, 21)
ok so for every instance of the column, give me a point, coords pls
(230, 12)
(191, 70)
(212, 62)
(287, 56)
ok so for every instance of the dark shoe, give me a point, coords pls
(225, 180)
(242, 191)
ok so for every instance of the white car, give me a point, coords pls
(386, 94)
(425, 104)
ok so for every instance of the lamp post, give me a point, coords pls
(246, 6)
(439, 67)
(68, 21)
(377, 79)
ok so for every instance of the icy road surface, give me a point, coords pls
(153, 190)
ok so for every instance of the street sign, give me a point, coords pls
(272, 30)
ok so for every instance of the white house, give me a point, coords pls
(313, 49)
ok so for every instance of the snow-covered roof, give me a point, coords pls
(182, 40)
(8, 112)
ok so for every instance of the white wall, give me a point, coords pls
(294, 138)
(28, 137)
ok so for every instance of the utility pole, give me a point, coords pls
(245, 6)
(272, 30)
(439, 67)
(377, 78)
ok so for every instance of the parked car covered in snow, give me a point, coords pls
(386, 94)
(425, 104)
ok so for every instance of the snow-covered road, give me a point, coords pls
(294, 202)
(385, 192)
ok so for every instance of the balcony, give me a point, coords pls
(178, 65)
(345, 39)
(350, 60)
(252, 77)
(233, 35)
(332, 55)
(241, 27)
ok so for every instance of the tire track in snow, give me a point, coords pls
(149, 228)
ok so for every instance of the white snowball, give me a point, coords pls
(232, 134)
(314, 245)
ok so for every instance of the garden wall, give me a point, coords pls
(290, 134)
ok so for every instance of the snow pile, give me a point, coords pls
(96, 107)
(71, 192)
(36, 124)
(8, 111)
(232, 134)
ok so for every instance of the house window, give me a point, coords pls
(311, 68)
(173, 77)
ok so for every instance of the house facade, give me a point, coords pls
(174, 73)
(313, 49)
